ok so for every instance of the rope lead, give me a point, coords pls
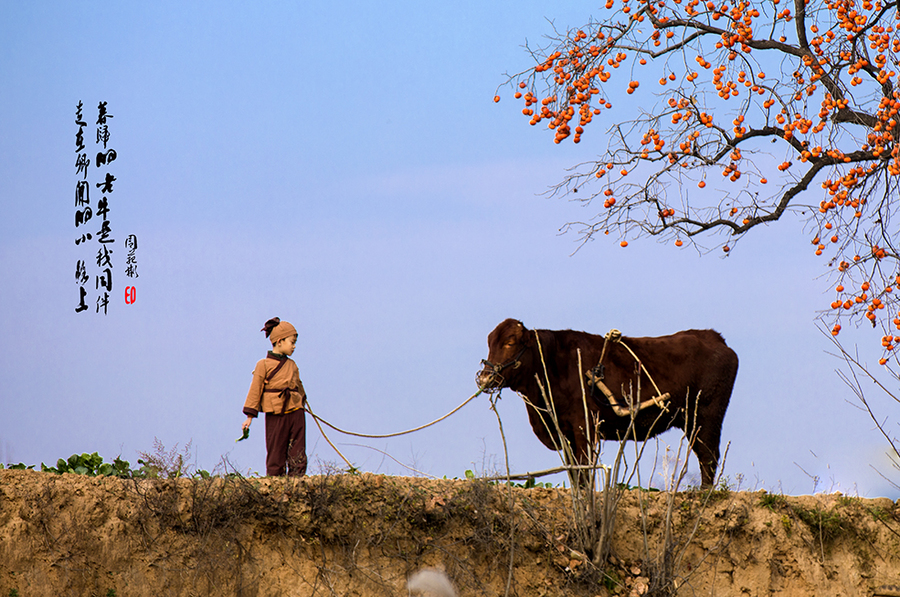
(318, 419)
(386, 435)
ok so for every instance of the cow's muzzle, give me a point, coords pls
(490, 379)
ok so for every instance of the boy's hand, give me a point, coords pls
(245, 427)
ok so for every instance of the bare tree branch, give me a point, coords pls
(812, 102)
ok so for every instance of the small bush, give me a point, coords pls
(772, 501)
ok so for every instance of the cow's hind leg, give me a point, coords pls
(704, 435)
(707, 451)
(705, 446)
(711, 405)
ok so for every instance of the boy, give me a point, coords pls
(276, 390)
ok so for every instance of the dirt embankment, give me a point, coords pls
(363, 535)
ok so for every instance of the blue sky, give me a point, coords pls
(344, 167)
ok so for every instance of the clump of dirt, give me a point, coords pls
(364, 534)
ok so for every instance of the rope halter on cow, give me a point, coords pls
(595, 378)
(495, 380)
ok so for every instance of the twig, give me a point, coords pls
(512, 524)
(406, 466)
(544, 473)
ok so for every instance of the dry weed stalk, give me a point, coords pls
(594, 519)
(666, 567)
(512, 526)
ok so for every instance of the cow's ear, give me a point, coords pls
(520, 330)
(524, 335)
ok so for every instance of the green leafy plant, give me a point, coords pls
(827, 524)
(528, 484)
(91, 465)
(627, 487)
(21, 466)
(772, 501)
(786, 523)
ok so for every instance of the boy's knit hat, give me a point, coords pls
(281, 331)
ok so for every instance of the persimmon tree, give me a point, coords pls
(738, 112)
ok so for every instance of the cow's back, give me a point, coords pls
(695, 359)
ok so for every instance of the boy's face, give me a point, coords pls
(285, 346)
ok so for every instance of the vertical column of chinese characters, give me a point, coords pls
(83, 212)
(104, 279)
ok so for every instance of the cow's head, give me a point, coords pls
(507, 346)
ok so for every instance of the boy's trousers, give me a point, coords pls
(286, 443)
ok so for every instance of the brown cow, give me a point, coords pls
(682, 365)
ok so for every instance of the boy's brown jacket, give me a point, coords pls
(282, 393)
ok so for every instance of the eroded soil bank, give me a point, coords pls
(363, 535)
